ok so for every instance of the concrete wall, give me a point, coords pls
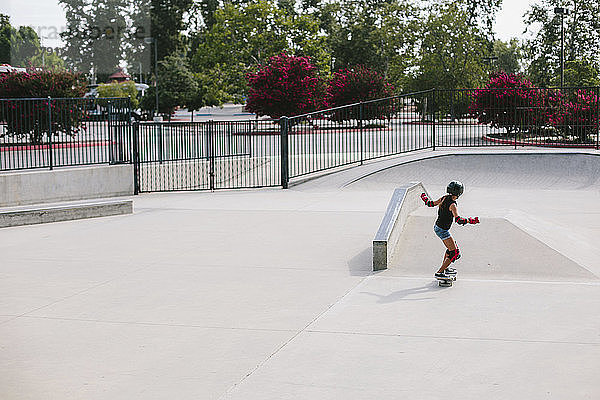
(404, 201)
(65, 184)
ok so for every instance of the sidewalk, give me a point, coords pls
(269, 294)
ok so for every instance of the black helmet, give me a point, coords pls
(455, 188)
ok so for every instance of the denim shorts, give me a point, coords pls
(441, 233)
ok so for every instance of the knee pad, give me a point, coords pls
(453, 255)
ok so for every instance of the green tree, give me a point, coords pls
(25, 44)
(167, 21)
(451, 51)
(139, 53)
(376, 33)
(207, 10)
(581, 73)
(481, 13)
(95, 34)
(26, 50)
(239, 39)
(509, 56)
(48, 60)
(210, 92)
(120, 89)
(451, 57)
(21, 47)
(5, 33)
(176, 87)
(245, 35)
(582, 38)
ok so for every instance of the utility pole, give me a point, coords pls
(153, 40)
(562, 11)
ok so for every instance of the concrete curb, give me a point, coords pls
(42, 214)
(403, 202)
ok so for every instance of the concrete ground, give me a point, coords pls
(269, 294)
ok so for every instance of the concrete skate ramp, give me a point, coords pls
(494, 249)
(565, 171)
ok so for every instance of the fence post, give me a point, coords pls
(160, 141)
(285, 174)
(124, 132)
(361, 117)
(135, 134)
(211, 155)
(515, 115)
(50, 133)
(597, 117)
(434, 123)
(111, 144)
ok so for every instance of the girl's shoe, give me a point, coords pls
(450, 271)
(442, 275)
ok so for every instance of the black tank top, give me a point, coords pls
(445, 216)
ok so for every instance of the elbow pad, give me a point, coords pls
(428, 203)
(460, 220)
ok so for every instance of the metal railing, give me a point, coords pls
(167, 156)
(358, 132)
(206, 155)
(57, 132)
(551, 117)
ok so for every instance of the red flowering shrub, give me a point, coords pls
(577, 116)
(511, 102)
(31, 117)
(359, 84)
(287, 86)
(42, 84)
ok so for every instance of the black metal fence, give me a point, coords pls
(550, 117)
(57, 132)
(207, 155)
(47, 133)
(355, 133)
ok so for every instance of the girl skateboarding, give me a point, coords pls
(448, 212)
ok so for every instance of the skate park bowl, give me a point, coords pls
(538, 212)
(270, 294)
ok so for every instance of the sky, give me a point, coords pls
(48, 18)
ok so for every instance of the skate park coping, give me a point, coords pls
(403, 202)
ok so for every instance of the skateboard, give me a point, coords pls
(446, 282)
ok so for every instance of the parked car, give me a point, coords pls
(6, 68)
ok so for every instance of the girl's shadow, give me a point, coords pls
(402, 294)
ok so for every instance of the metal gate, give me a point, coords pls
(207, 155)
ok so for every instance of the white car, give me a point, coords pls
(5, 69)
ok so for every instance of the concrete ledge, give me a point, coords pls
(42, 214)
(405, 200)
(19, 188)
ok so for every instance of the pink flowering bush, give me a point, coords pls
(355, 85)
(511, 102)
(286, 86)
(577, 116)
(31, 117)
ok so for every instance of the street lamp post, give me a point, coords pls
(42, 37)
(562, 11)
(490, 60)
(153, 40)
